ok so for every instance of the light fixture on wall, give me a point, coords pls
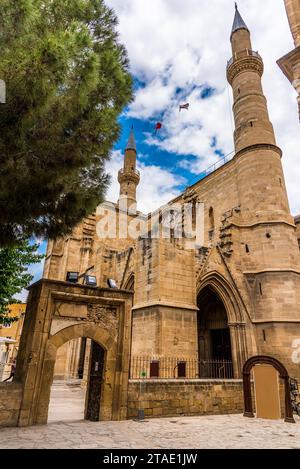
(73, 277)
(90, 280)
(112, 283)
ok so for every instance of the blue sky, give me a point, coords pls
(178, 53)
(171, 161)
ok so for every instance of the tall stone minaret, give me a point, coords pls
(244, 72)
(260, 175)
(129, 177)
(266, 247)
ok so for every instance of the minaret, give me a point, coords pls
(244, 72)
(260, 174)
(129, 177)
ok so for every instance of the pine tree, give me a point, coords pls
(14, 276)
(67, 81)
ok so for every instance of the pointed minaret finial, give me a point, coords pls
(131, 145)
(238, 22)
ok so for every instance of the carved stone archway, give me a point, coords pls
(58, 312)
(283, 374)
(109, 406)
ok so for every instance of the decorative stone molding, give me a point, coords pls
(250, 63)
(105, 317)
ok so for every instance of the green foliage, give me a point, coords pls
(67, 81)
(14, 276)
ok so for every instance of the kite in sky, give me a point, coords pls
(158, 127)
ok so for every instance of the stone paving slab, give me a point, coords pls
(229, 431)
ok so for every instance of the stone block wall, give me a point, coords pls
(10, 402)
(293, 11)
(170, 398)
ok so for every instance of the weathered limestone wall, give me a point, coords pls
(290, 63)
(297, 221)
(10, 402)
(276, 340)
(293, 11)
(168, 398)
(164, 331)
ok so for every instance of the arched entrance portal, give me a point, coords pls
(214, 342)
(76, 389)
(58, 312)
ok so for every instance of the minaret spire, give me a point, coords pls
(131, 145)
(238, 22)
(129, 177)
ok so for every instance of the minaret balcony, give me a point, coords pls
(245, 60)
(242, 54)
(129, 175)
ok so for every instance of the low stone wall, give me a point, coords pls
(169, 398)
(10, 403)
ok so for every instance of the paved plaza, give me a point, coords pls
(66, 430)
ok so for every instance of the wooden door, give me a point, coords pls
(95, 383)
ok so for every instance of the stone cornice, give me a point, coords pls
(276, 321)
(288, 62)
(258, 146)
(164, 304)
(260, 223)
(272, 271)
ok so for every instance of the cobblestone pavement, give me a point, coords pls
(231, 431)
(66, 430)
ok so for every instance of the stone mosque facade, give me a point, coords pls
(161, 315)
(238, 293)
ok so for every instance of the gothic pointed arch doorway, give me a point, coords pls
(214, 339)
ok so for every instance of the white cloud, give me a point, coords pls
(174, 44)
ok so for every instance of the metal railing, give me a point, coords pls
(147, 367)
(218, 164)
(242, 54)
(130, 171)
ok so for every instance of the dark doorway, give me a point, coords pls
(154, 369)
(95, 383)
(214, 343)
(181, 370)
(221, 346)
